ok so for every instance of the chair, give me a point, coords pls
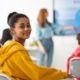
(74, 68)
(4, 77)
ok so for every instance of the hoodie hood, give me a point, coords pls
(8, 49)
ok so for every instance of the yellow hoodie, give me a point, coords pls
(16, 63)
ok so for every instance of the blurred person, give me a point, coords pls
(76, 53)
(43, 36)
(14, 58)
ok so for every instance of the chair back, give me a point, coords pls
(75, 67)
(4, 77)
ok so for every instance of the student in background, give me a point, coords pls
(43, 37)
(76, 53)
(14, 58)
(6, 35)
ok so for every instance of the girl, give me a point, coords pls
(14, 58)
(43, 37)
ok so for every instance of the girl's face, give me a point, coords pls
(22, 28)
(46, 14)
(42, 17)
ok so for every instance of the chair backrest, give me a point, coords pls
(75, 67)
(4, 77)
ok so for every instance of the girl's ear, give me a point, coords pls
(12, 30)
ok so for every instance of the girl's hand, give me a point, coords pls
(41, 47)
(43, 50)
(70, 76)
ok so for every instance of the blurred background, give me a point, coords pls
(63, 45)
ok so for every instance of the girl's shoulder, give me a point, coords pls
(11, 43)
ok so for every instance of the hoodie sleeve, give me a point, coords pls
(51, 74)
(26, 69)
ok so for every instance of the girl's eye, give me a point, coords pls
(28, 25)
(22, 26)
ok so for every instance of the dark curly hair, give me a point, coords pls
(14, 17)
(78, 38)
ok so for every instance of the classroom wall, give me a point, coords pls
(28, 7)
(64, 46)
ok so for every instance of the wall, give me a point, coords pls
(29, 7)
(63, 47)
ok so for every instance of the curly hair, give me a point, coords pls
(78, 38)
